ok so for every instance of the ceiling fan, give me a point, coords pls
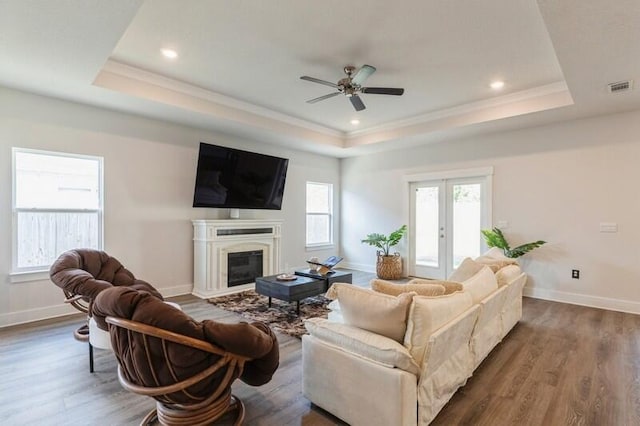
(351, 85)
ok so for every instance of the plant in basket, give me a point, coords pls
(388, 266)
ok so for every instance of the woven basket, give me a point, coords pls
(389, 267)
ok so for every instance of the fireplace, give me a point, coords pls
(243, 267)
(229, 254)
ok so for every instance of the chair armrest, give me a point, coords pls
(363, 343)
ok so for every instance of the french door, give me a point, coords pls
(446, 217)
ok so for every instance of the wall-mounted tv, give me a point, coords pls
(236, 179)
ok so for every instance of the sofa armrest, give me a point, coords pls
(363, 343)
(448, 340)
(447, 365)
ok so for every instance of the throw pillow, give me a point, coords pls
(481, 284)
(466, 270)
(393, 289)
(363, 343)
(496, 264)
(507, 274)
(495, 252)
(373, 311)
(449, 286)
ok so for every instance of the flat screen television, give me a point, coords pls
(236, 179)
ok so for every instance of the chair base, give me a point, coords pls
(82, 333)
(169, 416)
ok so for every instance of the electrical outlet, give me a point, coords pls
(575, 273)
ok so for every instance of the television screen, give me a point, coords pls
(232, 178)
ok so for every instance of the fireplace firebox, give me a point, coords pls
(244, 267)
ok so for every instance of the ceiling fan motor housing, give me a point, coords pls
(349, 69)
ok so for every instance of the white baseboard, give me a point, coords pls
(178, 290)
(364, 267)
(47, 312)
(583, 300)
(37, 314)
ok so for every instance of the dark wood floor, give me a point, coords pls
(561, 365)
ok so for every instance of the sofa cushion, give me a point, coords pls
(507, 274)
(481, 284)
(363, 343)
(466, 270)
(373, 311)
(449, 286)
(421, 289)
(496, 264)
(428, 314)
(334, 305)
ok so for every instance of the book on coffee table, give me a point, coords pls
(326, 267)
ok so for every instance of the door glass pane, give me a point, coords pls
(466, 222)
(427, 235)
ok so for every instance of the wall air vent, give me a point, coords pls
(621, 86)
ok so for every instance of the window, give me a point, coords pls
(57, 206)
(319, 214)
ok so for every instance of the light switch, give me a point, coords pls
(608, 227)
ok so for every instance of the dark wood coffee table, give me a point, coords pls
(336, 276)
(289, 291)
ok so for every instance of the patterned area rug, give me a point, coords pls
(281, 316)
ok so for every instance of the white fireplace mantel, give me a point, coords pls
(213, 240)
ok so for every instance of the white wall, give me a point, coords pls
(149, 177)
(555, 183)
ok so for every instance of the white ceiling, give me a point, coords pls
(239, 64)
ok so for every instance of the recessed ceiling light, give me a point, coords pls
(355, 122)
(169, 53)
(496, 85)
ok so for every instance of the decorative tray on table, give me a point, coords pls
(286, 277)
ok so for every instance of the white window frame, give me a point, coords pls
(322, 245)
(24, 274)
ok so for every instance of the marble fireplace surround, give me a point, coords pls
(213, 240)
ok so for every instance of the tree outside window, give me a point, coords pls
(57, 206)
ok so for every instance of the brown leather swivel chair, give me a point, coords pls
(82, 274)
(185, 365)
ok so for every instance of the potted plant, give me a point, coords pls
(495, 238)
(388, 266)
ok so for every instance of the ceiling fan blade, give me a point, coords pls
(322, 98)
(363, 73)
(382, 90)
(357, 102)
(317, 80)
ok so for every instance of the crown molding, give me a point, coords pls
(524, 95)
(114, 75)
(537, 99)
(145, 84)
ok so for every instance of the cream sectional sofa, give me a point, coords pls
(367, 368)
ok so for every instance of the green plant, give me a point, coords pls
(384, 242)
(495, 238)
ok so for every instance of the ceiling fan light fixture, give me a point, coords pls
(169, 53)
